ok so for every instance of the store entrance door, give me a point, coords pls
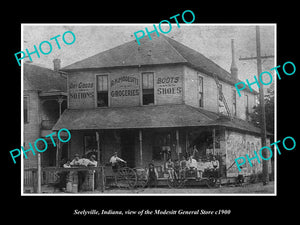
(128, 147)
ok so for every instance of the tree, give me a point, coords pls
(269, 109)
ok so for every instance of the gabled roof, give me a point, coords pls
(155, 51)
(159, 50)
(139, 117)
(43, 79)
(200, 62)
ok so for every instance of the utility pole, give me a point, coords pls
(262, 104)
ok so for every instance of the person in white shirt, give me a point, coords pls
(115, 160)
(67, 164)
(192, 164)
(75, 161)
(92, 161)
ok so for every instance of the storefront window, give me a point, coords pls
(162, 143)
(102, 91)
(90, 144)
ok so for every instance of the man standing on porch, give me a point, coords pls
(114, 160)
(195, 152)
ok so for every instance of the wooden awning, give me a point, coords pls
(140, 117)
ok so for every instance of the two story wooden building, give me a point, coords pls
(44, 99)
(156, 100)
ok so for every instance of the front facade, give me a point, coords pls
(156, 101)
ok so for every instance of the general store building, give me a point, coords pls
(156, 100)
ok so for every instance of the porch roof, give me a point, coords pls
(146, 117)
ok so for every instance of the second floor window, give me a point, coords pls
(148, 88)
(247, 106)
(220, 92)
(234, 102)
(25, 108)
(200, 90)
(102, 91)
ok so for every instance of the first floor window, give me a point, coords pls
(90, 143)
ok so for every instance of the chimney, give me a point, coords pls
(56, 64)
(233, 68)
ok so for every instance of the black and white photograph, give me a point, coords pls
(145, 109)
(170, 114)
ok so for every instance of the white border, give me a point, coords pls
(146, 194)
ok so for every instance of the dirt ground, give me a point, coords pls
(257, 188)
(251, 189)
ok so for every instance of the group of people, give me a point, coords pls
(190, 164)
(173, 168)
(77, 161)
(178, 168)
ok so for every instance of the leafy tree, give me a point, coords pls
(269, 111)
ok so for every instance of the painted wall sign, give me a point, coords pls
(124, 86)
(80, 90)
(124, 89)
(169, 85)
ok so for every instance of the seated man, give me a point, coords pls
(215, 163)
(177, 168)
(215, 166)
(183, 167)
(170, 168)
(115, 161)
(200, 167)
(192, 165)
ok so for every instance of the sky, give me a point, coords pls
(212, 40)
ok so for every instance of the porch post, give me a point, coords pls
(60, 100)
(186, 141)
(100, 172)
(177, 143)
(57, 153)
(214, 140)
(98, 148)
(39, 174)
(141, 147)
